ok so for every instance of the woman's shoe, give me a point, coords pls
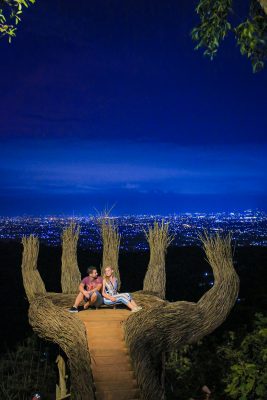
(136, 309)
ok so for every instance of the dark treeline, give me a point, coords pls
(186, 280)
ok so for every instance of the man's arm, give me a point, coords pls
(98, 288)
(82, 290)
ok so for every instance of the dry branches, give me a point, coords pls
(159, 239)
(111, 243)
(165, 326)
(70, 274)
(59, 326)
(32, 281)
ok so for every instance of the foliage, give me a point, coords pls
(10, 15)
(247, 377)
(215, 25)
(252, 37)
(26, 370)
(193, 366)
(232, 364)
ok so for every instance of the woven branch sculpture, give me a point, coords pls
(54, 323)
(160, 326)
(159, 239)
(70, 274)
(111, 244)
(166, 326)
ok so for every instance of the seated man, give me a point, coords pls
(90, 288)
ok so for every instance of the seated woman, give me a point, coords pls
(110, 292)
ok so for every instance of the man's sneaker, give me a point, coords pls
(73, 309)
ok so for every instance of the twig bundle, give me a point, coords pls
(167, 326)
(32, 281)
(218, 251)
(70, 273)
(159, 239)
(111, 244)
(57, 325)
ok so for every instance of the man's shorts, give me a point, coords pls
(98, 302)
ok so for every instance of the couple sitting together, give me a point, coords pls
(95, 290)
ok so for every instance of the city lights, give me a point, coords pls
(248, 228)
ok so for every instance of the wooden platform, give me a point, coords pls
(111, 365)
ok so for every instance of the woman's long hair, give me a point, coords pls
(107, 278)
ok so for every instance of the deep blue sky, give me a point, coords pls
(107, 102)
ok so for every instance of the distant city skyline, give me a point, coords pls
(247, 228)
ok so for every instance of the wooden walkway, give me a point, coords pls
(111, 365)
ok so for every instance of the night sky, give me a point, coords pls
(106, 102)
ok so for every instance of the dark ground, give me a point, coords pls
(185, 267)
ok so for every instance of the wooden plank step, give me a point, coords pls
(98, 350)
(96, 368)
(117, 394)
(123, 360)
(105, 310)
(105, 342)
(114, 347)
(102, 325)
(108, 329)
(104, 318)
(115, 386)
(108, 384)
(122, 311)
(104, 328)
(105, 345)
(107, 320)
(113, 376)
(94, 335)
(108, 352)
(104, 331)
(125, 313)
(102, 367)
(103, 315)
(99, 368)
